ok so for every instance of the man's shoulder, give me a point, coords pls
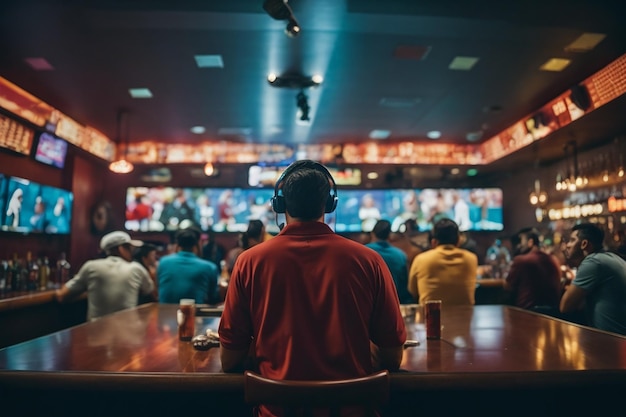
(399, 252)
(604, 259)
(469, 256)
(165, 259)
(206, 263)
(526, 258)
(136, 267)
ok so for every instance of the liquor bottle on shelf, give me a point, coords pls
(63, 270)
(20, 274)
(17, 274)
(3, 276)
(32, 272)
(10, 280)
(44, 273)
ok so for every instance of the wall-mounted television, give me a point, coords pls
(222, 209)
(3, 195)
(475, 209)
(30, 207)
(51, 150)
(230, 209)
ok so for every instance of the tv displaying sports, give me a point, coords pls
(51, 150)
(475, 209)
(153, 209)
(31, 207)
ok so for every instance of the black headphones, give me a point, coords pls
(278, 201)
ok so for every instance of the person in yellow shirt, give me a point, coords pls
(445, 272)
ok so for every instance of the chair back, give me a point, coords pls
(369, 392)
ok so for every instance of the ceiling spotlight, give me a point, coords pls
(434, 134)
(198, 130)
(293, 28)
(280, 10)
(277, 9)
(303, 106)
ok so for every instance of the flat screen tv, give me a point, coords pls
(31, 207)
(51, 150)
(3, 196)
(475, 209)
(222, 209)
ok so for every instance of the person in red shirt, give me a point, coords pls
(534, 279)
(310, 304)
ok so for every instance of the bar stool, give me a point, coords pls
(300, 397)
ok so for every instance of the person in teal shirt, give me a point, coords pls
(185, 275)
(394, 257)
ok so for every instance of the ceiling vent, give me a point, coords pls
(398, 103)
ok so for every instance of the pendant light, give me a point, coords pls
(122, 165)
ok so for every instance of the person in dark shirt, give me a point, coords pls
(212, 251)
(534, 278)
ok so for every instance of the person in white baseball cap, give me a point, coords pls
(116, 239)
(113, 283)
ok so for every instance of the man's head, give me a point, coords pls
(586, 238)
(382, 230)
(188, 239)
(446, 232)
(304, 191)
(255, 229)
(119, 244)
(526, 240)
(253, 235)
(146, 255)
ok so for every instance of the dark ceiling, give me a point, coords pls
(364, 49)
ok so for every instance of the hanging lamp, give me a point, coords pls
(122, 165)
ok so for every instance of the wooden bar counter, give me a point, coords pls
(26, 315)
(492, 360)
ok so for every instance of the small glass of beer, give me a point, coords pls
(186, 319)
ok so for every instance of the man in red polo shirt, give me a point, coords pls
(310, 304)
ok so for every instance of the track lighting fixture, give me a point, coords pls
(300, 82)
(294, 81)
(280, 10)
(277, 9)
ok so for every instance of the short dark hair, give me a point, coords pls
(306, 191)
(530, 233)
(592, 233)
(446, 232)
(142, 251)
(382, 229)
(187, 238)
(255, 229)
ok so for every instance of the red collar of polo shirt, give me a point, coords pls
(306, 228)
